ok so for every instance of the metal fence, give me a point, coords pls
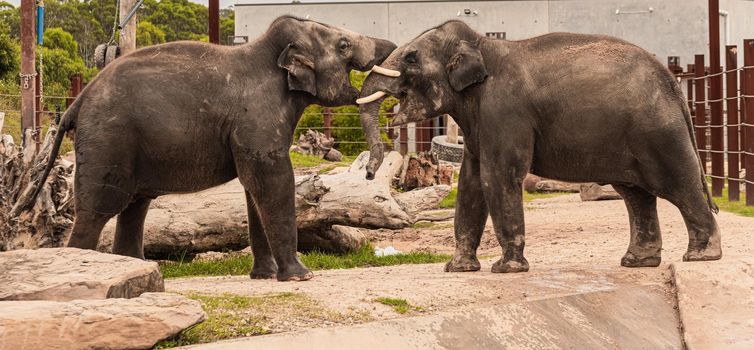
(723, 118)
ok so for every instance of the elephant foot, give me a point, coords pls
(632, 260)
(296, 272)
(259, 274)
(463, 264)
(510, 266)
(709, 250)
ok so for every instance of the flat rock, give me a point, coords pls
(137, 323)
(626, 318)
(63, 274)
(716, 303)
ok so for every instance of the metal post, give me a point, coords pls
(28, 72)
(731, 87)
(327, 116)
(214, 21)
(75, 89)
(127, 41)
(749, 92)
(716, 100)
(700, 115)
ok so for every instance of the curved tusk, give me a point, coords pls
(384, 71)
(371, 98)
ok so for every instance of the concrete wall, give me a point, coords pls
(673, 28)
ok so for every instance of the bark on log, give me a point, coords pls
(422, 170)
(318, 144)
(51, 215)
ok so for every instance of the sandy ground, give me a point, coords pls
(572, 247)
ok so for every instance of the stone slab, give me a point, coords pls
(63, 274)
(137, 323)
(626, 318)
(716, 303)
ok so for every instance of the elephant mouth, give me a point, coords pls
(411, 111)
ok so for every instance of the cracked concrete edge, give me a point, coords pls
(606, 319)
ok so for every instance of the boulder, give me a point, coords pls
(595, 192)
(137, 323)
(63, 274)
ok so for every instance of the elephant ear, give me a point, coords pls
(300, 69)
(466, 66)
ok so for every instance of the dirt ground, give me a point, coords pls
(572, 247)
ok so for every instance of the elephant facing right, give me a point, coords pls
(572, 107)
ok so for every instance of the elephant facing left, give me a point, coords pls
(186, 116)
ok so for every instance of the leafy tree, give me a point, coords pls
(227, 25)
(179, 19)
(10, 53)
(149, 34)
(57, 38)
(10, 20)
(58, 60)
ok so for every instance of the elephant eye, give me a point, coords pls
(410, 58)
(344, 45)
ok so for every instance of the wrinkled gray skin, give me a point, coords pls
(580, 108)
(185, 116)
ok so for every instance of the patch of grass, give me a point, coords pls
(240, 264)
(232, 316)
(738, 208)
(400, 306)
(306, 161)
(450, 201)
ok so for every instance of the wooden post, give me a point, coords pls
(28, 71)
(327, 123)
(214, 21)
(749, 100)
(127, 41)
(700, 112)
(731, 87)
(75, 89)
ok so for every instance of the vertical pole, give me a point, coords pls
(731, 87)
(700, 115)
(28, 72)
(404, 140)
(127, 41)
(749, 78)
(327, 114)
(37, 111)
(690, 91)
(75, 89)
(214, 21)
(742, 111)
(716, 100)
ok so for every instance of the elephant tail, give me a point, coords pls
(705, 186)
(66, 123)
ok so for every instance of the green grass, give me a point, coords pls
(450, 201)
(306, 161)
(738, 208)
(400, 306)
(241, 264)
(233, 316)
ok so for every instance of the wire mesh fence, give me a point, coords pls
(722, 109)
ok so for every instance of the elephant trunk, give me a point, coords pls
(370, 121)
(383, 81)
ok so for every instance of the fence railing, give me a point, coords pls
(723, 119)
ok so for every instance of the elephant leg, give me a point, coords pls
(502, 187)
(471, 215)
(272, 189)
(129, 232)
(646, 241)
(264, 263)
(87, 227)
(704, 234)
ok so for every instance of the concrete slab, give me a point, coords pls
(716, 303)
(627, 318)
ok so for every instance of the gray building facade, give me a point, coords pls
(662, 27)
